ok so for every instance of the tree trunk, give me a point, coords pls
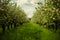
(14, 25)
(3, 27)
(21, 23)
(11, 25)
(8, 26)
(56, 27)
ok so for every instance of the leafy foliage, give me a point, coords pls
(49, 14)
(10, 14)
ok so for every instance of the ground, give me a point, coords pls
(29, 31)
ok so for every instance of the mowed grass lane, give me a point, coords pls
(29, 31)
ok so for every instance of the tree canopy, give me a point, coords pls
(48, 14)
(10, 14)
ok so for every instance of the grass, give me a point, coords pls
(29, 31)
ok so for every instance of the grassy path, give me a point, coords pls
(29, 31)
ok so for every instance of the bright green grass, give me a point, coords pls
(29, 31)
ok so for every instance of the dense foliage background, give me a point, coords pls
(10, 14)
(44, 25)
(48, 14)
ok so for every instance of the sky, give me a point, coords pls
(28, 6)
